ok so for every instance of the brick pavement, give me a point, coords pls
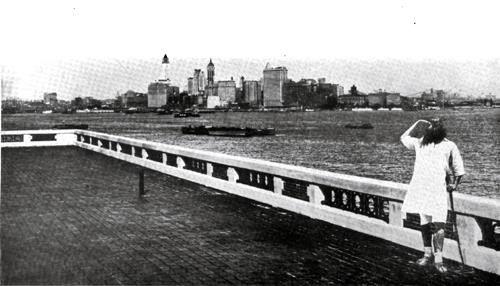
(70, 216)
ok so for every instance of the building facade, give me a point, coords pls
(272, 85)
(50, 98)
(393, 100)
(161, 93)
(252, 93)
(376, 99)
(134, 99)
(226, 91)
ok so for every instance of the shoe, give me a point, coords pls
(426, 260)
(440, 268)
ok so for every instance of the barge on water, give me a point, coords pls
(227, 131)
(187, 113)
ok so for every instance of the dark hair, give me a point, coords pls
(435, 134)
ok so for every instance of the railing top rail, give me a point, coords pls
(463, 203)
(43, 131)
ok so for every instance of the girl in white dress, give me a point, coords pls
(435, 158)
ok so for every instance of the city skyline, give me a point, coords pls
(102, 79)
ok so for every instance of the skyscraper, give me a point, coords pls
(252, 92)
(272, 85)
(160, 92)
(210, 90)
(198, 81)
(210, 73)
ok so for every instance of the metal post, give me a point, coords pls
(456, 228)
(141, 182)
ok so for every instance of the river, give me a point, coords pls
(314, 139)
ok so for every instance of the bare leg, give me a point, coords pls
(426, 238)
(438, 241)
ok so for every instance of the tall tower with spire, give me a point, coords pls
(164, 64)
(211, 99)
(210, 73)
(161, 92)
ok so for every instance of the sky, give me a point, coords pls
(99, 48)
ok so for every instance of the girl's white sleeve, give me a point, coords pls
(409, 142)
(457, 162)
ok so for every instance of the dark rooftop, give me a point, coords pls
(71, 216)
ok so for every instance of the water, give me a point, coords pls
(314, 139)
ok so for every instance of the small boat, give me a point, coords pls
(360, 126)
(227, 131)
(187, 113)
(131, 110)
(162, 111)
(71, 126)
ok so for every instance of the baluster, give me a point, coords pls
(315, 194)
(232, 175)
(180, 163)
(395, 216)
(210, 169)
(278, 185)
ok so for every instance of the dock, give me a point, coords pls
(73, 211)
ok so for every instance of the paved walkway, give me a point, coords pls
(70, 216)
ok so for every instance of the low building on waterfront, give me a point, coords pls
(393, 100)
(353, 98)
(134, 99)
(213, 101)
(310, 93)
(377, 100)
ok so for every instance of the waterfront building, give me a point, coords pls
(310, 93)
(87, 101)
(161, 93)
(226, 91)
(213, 101)
(434, 97)
(134, 99)
(252, 93)
(377, 99)
(393, 100)
(298, 93)
(272, 85)
(353, 99)
(50, 98)
(338, 89)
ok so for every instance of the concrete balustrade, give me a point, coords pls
(34, 138)
(359, 203)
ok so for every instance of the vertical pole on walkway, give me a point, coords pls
(141, 182)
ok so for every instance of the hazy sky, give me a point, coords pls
(96, 48)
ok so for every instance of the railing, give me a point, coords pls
(362, 204)
(32, 138)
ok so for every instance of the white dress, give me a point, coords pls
(427, 193)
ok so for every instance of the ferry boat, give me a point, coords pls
(227, 131)
(71, 126)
